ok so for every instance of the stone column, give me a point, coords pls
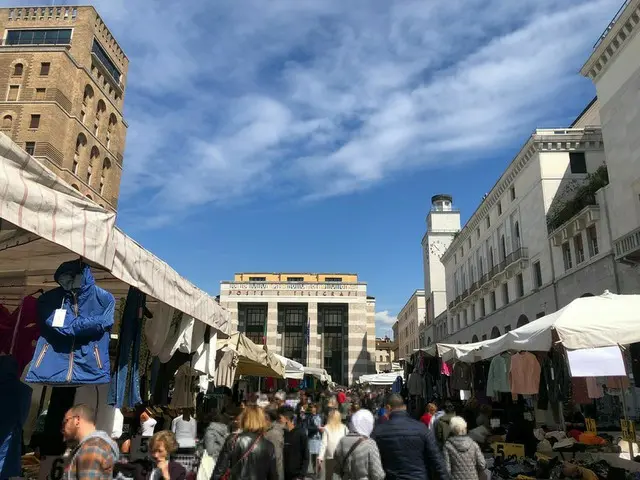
(272, 327)
(358, 357)
(315, 343)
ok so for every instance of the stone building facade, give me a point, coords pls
(62, 85)
(318, 319)
(385, 354)
(410, 320)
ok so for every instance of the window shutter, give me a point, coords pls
(280, 320)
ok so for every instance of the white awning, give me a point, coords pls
(46, 222)
(381, 378)
(292, 369)
(320, 373)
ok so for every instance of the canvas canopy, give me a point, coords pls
(44, 222)
(589, 322)
(292, 369)
(240, 356)
(380, 378)
(319, 373)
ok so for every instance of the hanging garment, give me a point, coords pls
(75, 323)
(156, 329)
(445, 369)
(461, 376)
(579, 391)
(498, 376)
(397, 385)
(182, 392)
(128, 351)
(185, 337)
(480, 374)
(524, 375)
(15, 398)
(108, 418)
(557, 378)
(594, 390)
(415, 384)
(204, 360)
(19, 332)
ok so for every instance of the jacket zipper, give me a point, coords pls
(41, 356)
(73, 341)
(97, 354)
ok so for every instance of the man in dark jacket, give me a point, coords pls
(296, 446)
(407, 447)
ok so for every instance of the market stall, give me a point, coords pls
(381, 378)
(292, 369)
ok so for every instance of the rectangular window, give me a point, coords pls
(333, 279)
(35, 121)
(519, 285)
(107, 63)
(488, 222)
(50, 36)
(492, 301)
(537, 275)
(578, 247)
(295, 279)
(505, 293)
(566, 255)
(12, 93)
(478, 232)
(44, 69)
(30, 148)
(499, 208)
(41, 93)
(577, 162)
(592, 238)
(257, 279)
(472, 311)
(483, 310)
(512, 193)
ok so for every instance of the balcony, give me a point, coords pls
(627, 248)
(586, 217)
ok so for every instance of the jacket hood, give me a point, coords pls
(104, 436)
(8, 369)
(462, 443)
(73, 268)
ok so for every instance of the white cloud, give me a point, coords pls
(238, 100)
(385, 318)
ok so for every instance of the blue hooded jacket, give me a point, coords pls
(78, 352)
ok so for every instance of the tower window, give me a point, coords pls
(333, 279)
(50, 36)
(18, 69)
(577, 162)
(35, 121)
(30, 148)
(44, 68)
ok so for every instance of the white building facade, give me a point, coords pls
(532, 246)
(410, 320)
(614, 67)
(319, 320)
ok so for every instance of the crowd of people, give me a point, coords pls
(342, 436)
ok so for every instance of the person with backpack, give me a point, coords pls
(357, 456)
(443, 427)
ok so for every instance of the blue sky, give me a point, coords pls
(309, 135)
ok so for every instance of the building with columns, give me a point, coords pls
(321, 320)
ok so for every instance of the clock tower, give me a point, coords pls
(443, 222)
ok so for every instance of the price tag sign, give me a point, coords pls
(590, 425)
(628, 428)
(508, 450)
(51, 468)
(139, 448)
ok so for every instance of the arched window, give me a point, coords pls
(89, 196)
(584, 295)
(18, 68)
(474, 339)
(522, 320)
(101, 108)
(81, 142)
(7, 122)
(491, 257)
(75, 186)
(95, 153)
(495, 332)
(88, 95)
(113, 120)
(503, 248)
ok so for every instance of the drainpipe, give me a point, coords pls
(608, 222)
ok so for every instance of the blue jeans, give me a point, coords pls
(128, 343)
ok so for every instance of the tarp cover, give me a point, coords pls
(56, 223)
(251, 359)
(292, 369)
(319, 373)
(381, 378)
(588, 322)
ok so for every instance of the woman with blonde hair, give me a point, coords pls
(333, 432)
(247, 454)
(162, 445)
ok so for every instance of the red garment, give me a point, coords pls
(19, 332)
(426, 419)
(579, 391)
(341, 398)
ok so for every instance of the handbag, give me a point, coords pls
(227, 474)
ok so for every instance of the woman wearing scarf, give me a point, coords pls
(357, 456)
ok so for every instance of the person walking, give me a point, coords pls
(462, 456)
(313, 424)
(407, 447)
(95, 453)
(357, 456)
(247, 455)
(215, 436)
(428, 414)
(275, 434)
(443, 427)
(296, 446)
(333, 432)
(162, 445)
